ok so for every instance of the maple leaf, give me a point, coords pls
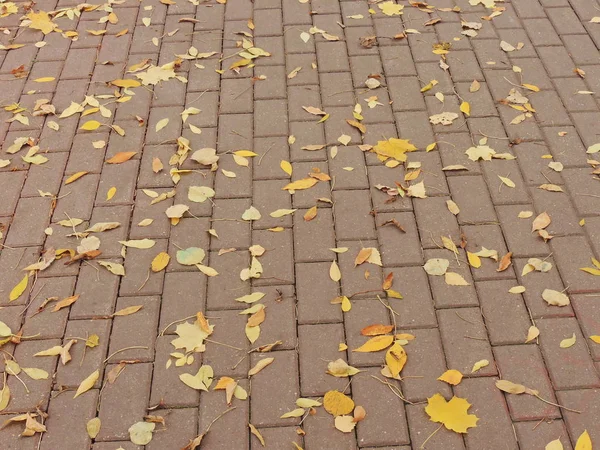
(41, 21)
(452, 414)
(191, 337)
(156, 74)
(391, 9)
(394, 148)
(480, 152)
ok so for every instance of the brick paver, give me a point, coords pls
(101, 172)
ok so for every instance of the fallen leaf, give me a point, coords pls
(455, 279)
(541, 222)
(555, 298)
(88, 383)
(93, 427)
(260, 365)
(345, 424)
(375, 344)
(256, 433)
(451, 376)
(140, 433)
(337, 403)
(120, 157)
(334, 272)
(340, 368)
(480, 365)
(453, 414)
(569, 342)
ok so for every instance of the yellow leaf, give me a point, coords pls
(252, 333)
(4, 397)
(18, 290)
(451, 376)
(531, 87)
(395, 358)
(310, 214)
(245, 153)
(595, 338)
(479, 365)
(554, 445)
(569, 342)
(304, 183)
(87, 384)
(93, 427)
(452, 414)
(345, 424)
(128, 311)
(260, 365)
(256, 433)
(507, 181)
(286, 167)
(111, 193)
(126, 83)
(334, 272)
(298, 412)
(532, 333)
(161, 124)
(375, 344)
(44, 79)
(591, 270)
(584, 442)
(65, 302)
(346, 305)
(465, 107)
(120, 157)
(474, 260)
(394, 148)
(337, 403)
(455, 279)
(41, 21)
(90, 125)
(160, 261)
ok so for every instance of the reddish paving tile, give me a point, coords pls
(290, 115)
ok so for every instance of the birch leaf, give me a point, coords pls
(88, 383)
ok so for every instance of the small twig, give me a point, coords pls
(124, 349)
(221, 343)
(556, 404)
(430, 436)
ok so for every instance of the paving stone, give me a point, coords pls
(389, 426)
(463, 352)
(116, 416)
(570, 368)
(37, 394)
(352, 217)
(233, 424)
(524, 364)
(49, 324)
(314, 297)
(229, 266)
(490, 237)
(399, 248)
(71, 375)
(180, 430)
(318, 344)
(491, 408)
(140, 280)
(31, 218)
(571, 253)
(472, 197)
(313, 239)
(581, 400)
(269, 388)
(425, 358)
(446, 296)
(144, 322)
(363, 281)
(546, 432)
(65, 413)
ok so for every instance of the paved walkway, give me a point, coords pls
(263, 263)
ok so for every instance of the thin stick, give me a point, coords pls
(430, 436)
(221, 343)
(174, 322)
(557, 405)
(124, 349)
